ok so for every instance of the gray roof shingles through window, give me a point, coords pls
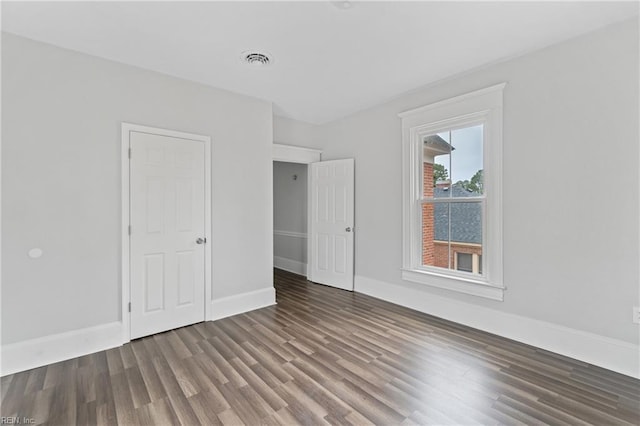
(466, 218)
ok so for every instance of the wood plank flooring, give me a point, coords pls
(322, 356)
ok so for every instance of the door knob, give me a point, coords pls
(201, 240)
(348, 229)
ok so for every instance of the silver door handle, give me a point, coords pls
(348, 229)
(201, 240)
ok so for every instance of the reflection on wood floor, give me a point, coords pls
(321, 356)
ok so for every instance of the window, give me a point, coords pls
(464, 262)
(452, 166)
(468, 262)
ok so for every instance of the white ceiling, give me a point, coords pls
(329, 62)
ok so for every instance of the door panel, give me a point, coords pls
(167, 217)
(186, 277)
(331, 224)
(153, 282)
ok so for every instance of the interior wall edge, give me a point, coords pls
(240, 303)
(290, 265)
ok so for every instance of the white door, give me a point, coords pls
(167, 203)
(331, 204)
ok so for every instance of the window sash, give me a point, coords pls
(454, 272)
(433, 200)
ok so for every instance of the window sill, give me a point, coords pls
(458, 284)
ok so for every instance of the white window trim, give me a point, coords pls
(481, 106)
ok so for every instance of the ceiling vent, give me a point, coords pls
(344, 5)
(256, 59)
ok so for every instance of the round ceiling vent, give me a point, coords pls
(256, 59)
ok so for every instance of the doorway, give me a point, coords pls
(290, 217)
(290, 202)
(322, 193)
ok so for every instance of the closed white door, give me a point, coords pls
(167, 203)
(331, 223)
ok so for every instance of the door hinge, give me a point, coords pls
(129, 229)
(129, 153)
(129, 306)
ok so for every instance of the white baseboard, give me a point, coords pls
(240, 303)
(21, 356)
(612, 354)
(605, 352)
(290, 265)
(293, 234)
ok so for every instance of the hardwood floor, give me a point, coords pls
(320, 356)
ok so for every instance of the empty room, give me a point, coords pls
(320, 212)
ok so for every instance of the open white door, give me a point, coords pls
(167, 252)
(331, 223)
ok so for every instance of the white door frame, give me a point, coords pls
(300, 155)
(295, 154)
(127, 128)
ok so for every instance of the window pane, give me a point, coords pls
(436, 164)
(453, 164)
(466, 222)
(450, 230)
(466, 171)
(435, 235)
(466, 232)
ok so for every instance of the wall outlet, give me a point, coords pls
(636, 314)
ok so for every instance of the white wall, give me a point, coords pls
(290, 216)
(571, 191)
(288, 131)
(61, 115)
